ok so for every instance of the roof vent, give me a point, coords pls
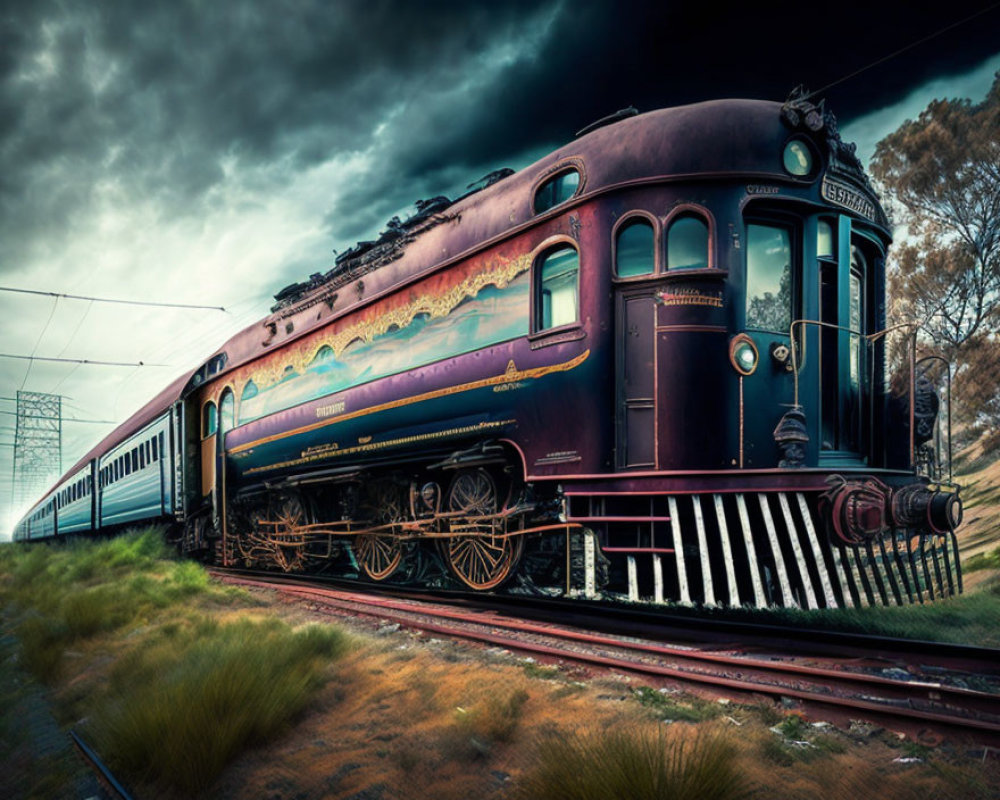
(611, 119)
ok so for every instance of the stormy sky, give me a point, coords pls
(213, 152)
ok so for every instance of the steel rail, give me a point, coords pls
(966, 709)
(104, 776)
(658, 623)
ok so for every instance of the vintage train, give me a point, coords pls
(651, 365)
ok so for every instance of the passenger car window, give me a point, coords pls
(227, 411)
(556, 299)
(209, 420)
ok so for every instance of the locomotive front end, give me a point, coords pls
(778, 458)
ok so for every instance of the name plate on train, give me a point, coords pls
(845, 196)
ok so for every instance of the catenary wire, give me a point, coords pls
(904, 49)
(57, 295)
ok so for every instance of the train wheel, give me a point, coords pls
(289, 512)
(378, 556)
(483, 561)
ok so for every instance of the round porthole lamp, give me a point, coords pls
(797, 158)
(743, 354)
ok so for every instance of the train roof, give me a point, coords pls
(710, 139)
(150, 411)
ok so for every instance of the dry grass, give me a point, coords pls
(636, 763)
(397, 714)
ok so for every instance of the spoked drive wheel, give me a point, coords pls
(483, 561)
(289, 512)
(379, 555)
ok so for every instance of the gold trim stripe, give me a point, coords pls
(510, 375)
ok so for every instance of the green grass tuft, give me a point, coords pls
(990, 560)
(196, 697)
(81, 588)
(667, 706)
(639, 765)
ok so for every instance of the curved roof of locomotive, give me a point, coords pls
(719, 137)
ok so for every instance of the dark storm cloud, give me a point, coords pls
(599, 57)
(153, 97)
(146, 102)
(605, 56)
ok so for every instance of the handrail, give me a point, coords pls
(870, 339)
(947, 365)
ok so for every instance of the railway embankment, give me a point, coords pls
(190, 688)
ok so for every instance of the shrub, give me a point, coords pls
(634, 764)
(197, 697)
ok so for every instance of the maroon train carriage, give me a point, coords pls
(650, 365)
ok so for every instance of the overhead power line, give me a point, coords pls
(901, 50)
(110, 299)
(84, 361)
(64, 419)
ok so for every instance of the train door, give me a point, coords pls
(846, 262)
(209, 439)
(773, 300)
(635, 344)
(227, 421)
(636, 379)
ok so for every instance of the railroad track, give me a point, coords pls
(854, 687)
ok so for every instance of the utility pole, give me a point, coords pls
(37, 445)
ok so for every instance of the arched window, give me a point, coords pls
(556, 190)
(227, 411)
(687, 242)
(556, 301)
(635, 249)
(209, 420)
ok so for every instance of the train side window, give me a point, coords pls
(687, 242)
(135, 459)
(556, 300)
(769, 278)
(557, 189)
(142, 456)
(635, 249)
(227, 411)
(825, 242)
(209, 420)
(163, 452)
